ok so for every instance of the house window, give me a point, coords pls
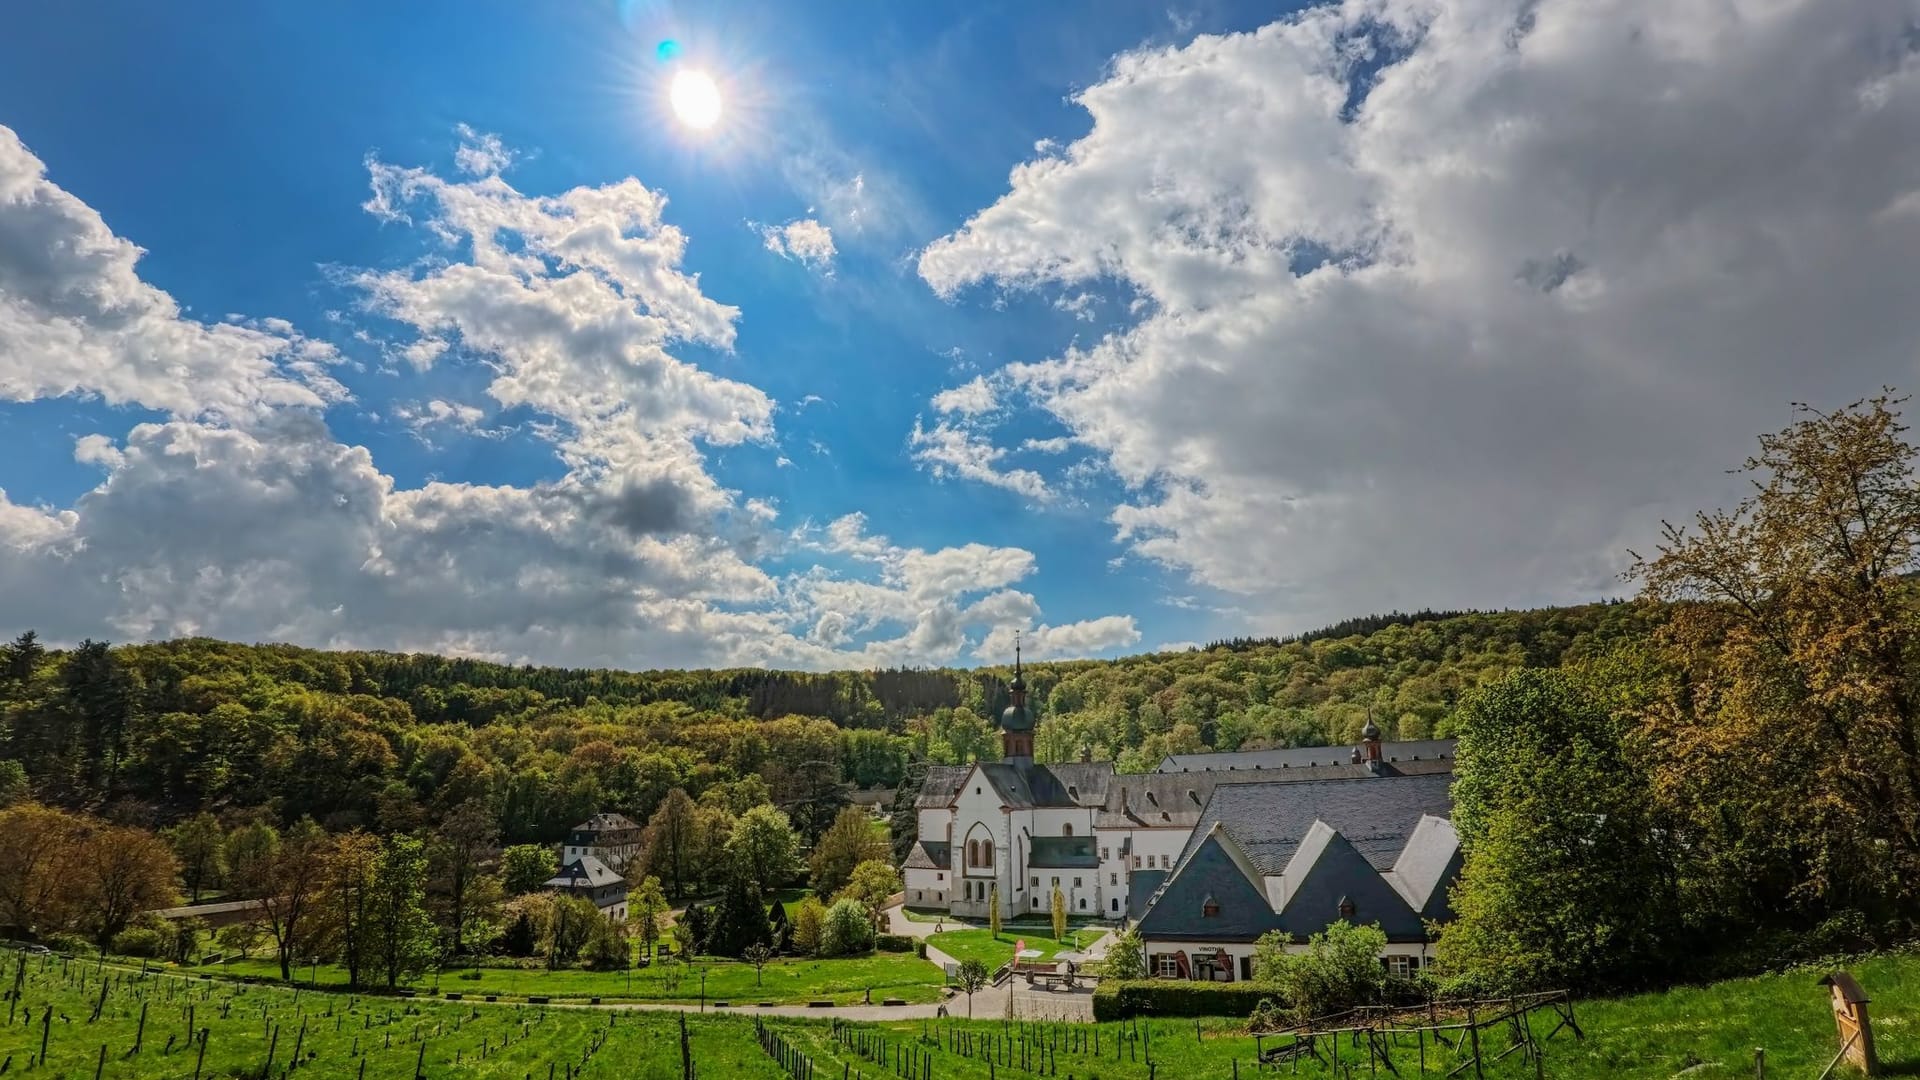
(1113, 879)
(1067, 829)
(1033, 882)
(1346, 908)
(1083, 903)
(1055, 883)
(1076, 883)
(1210, 909)
(1166, 966)
(1136, 862)
(939, 877)
(976, 791)
(1103, 854)
(1116, 903)
(1399, 965)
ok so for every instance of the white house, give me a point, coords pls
(613, 839)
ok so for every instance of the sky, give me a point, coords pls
(664, 334)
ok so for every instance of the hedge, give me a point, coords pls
(893, 943)
(1115, 1000)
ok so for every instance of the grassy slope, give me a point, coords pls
(898, 975)
(1704, 1033)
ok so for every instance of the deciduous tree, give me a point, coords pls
(851, 841)
(647, 909)
(525, 867)
(201, 847)
(763, 846)
(122, 872)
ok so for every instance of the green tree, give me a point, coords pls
(740, 920)
(1057, 908)
(1791, 746)
(872, 883)
(352, 864)
(673, 842)
(1126, 957)
(1567, 880)
(250, 851)
(648, 908)
(763, 847)
(809, 923)
(400, 929)
(759, 956)
(461, 890)
(1339, 970)
(607, 948)
(569, 926)
(526, 867)
(201, 847)
(971, 978)
(848, 929)
(848, 843)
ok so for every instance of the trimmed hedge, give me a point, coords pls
(1114, 1000)
(893, 943)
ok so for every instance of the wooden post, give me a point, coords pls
(140, 1033)
(1759, 1063)
(201, 1057)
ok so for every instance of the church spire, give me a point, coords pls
(1016, 723)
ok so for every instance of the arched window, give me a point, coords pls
(986, 853)
(1067, 829)
(973, 853)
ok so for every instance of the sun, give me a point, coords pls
(696, 98)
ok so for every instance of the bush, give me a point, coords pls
(920, 948)
(848, 929)
(1168, 997)
(144, 942)
(893, 943)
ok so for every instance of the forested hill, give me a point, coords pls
(375, 738)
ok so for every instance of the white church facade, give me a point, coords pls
(1113, 844)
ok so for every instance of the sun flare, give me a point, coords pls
(696, 98)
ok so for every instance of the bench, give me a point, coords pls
(894, 1001)
(819, 1004)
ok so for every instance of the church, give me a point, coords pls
(1205, 853)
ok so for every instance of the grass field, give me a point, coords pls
(1703, 1034)
(981, 945)
(888, 975)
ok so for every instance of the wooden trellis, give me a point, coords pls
(1444, 1037)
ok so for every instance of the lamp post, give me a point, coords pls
(703, 989)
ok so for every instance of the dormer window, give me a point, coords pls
(1210, 908)
(1193, 796)
(1346, 909)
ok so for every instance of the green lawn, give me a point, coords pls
(888, 975)
(981, 945)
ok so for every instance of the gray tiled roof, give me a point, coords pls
(1063, 852)
(930, 855)
(1049, 785)
(941, 785)
(1128, 804)
(1303, 756)
(1377, 814)
(583, 872)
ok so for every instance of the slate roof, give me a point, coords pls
(585, 872)
(1286, 855)
(930, 855)
(1419, 750)
(605, 823)
(941, 786)
(1028, 786)
(1376, 814)
(1141, 885)
(1062, 853)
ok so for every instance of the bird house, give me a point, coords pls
(1850, 1019)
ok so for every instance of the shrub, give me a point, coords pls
(848, 929)
(893, 943)
(142, 941)
(1117, 1000)
(1339, 969)
(920, 948)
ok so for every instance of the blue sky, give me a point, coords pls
(1282, 354)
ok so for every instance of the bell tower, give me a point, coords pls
(1016, 723)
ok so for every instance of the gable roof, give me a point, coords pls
(1377, 814)
(1026, 786)
(1062, 853)
(930, 855)
(585, 872)
(1425, 862)
(1298, 757)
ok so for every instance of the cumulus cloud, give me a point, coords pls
(968, 399)
(963, 452)
(77, 320)
(805, 241)
(243, 516)
(1448, 303)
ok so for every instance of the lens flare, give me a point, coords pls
(667, 50)
(695, 98)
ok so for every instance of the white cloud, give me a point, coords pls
(480, 153)
(805, 241)
(1057, 445)
(946, 450)
(77, 320)
(1459, 332)
(968, 399)
(244, 517)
